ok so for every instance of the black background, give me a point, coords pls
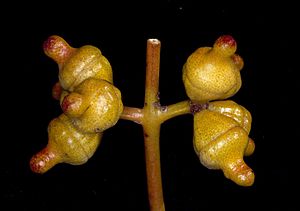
(114, 178)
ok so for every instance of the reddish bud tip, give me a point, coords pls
(242, 174)
(43, 161)
(238, 61)
(226, 44)
(66, 104)
(50, 43)
(56, 91)
(57, 48)
(71, 104)
(226, 40)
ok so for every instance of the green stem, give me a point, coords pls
(174, 110)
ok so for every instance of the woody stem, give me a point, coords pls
(151, 116)
(151, 126)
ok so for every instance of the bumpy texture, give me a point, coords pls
(221, 140)
(89, 100)
(77, 64)
(94, 106)
(65, 145)
(213, 73)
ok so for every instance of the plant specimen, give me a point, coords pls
(91, 104)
